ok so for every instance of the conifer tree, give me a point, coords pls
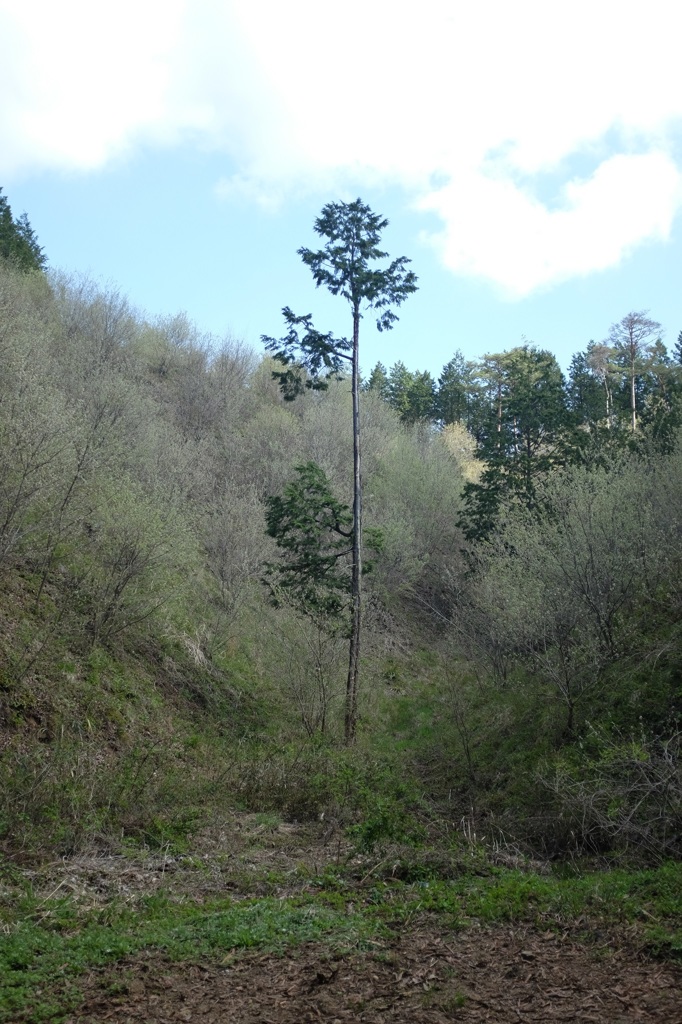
(346, 267)
(585, 397)
(677, 349)
(315, 531)
(399, 381)
(630, 341)
(18, 242)
(528, 432)
(421, 397)
(378, 382)
(455, 387)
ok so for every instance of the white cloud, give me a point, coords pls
(485, 100)
(81, 81)
(496, 230)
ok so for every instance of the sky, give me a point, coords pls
(528, 157)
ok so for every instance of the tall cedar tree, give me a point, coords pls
(345, 266)
(377, 382)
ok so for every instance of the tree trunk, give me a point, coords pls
(356, 581)
(609, 403)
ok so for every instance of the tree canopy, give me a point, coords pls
(18, 241)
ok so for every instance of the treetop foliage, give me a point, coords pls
(343, 265)
(18, 241)
(631, 334)
(312, 358)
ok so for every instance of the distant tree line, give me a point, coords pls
(632, 372)
(526, 416)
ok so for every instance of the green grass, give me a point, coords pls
(48, 945)
(43, 955)
(650, 898)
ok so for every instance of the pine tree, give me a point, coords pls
(659, 397)
(601, 363)
(399, 380)
(421, 398)
(528, 431)
(18, 242)
(378, 382)
(345, 265)
(585, 393)
(454, 400)
(677, 349)
(630, 341)
(35, 257)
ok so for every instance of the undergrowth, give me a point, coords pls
(46, 945)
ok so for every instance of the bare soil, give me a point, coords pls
(422, 974)
(422, 977)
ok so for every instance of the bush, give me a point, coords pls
(623, 793)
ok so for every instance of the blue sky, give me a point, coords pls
(528, 157)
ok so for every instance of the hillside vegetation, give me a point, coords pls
(145, 674)
(521, 671)
(200, 811)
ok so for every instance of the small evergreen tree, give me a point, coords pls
(378, 382)
(18, 242)
(455, 391)
(315, 532)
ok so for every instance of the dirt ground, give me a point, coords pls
(424, 974)
(422, 977)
